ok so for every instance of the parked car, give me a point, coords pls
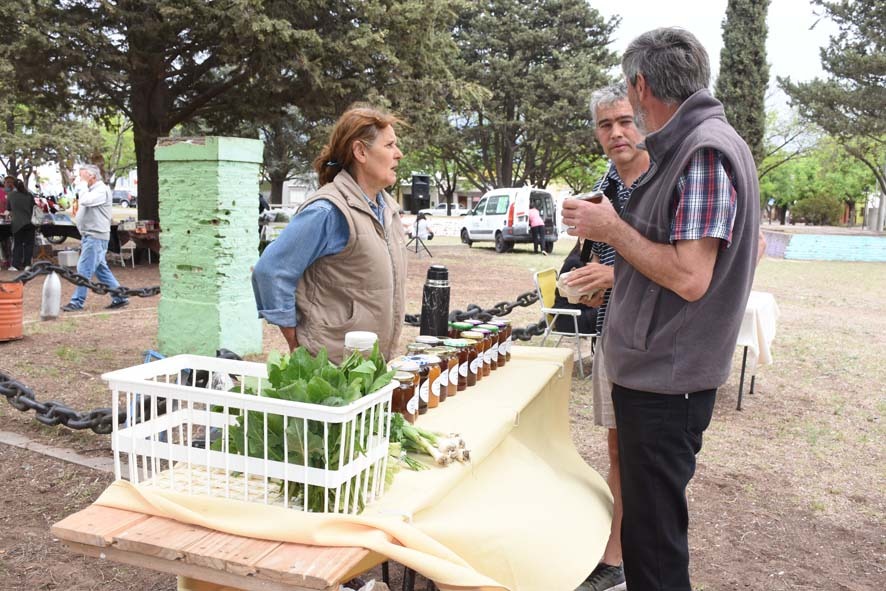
(124, 198)
(502, 217)
(440, 209)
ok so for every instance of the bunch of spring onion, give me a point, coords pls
(444, 449)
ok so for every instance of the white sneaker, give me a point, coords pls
(12, 269)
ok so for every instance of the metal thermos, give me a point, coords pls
(435, 302)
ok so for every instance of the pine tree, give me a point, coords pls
(744, 73)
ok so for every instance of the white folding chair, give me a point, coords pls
(546, 285)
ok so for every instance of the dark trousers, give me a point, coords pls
(538, 238)
(23, 247)
(658, 437)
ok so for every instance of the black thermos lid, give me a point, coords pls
(438, 273)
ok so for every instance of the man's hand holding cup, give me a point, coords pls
(590, 216)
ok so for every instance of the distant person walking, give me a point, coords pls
(537, 228)
(93, 220)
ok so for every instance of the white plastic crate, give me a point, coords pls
(169, 451)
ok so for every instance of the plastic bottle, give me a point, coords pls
(52, 297)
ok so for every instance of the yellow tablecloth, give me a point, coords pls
(527, 514)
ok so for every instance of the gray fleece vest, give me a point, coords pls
(655, 340)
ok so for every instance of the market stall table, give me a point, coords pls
(527, 514)
(755, 336)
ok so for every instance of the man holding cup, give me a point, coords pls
(686, 244)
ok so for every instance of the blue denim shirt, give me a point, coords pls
(319, 230)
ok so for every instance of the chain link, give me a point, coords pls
(54, 413)
(500, 309)
(45, 268)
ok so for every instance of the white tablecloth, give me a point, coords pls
(758, 328)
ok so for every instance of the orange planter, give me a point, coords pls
(11, 311)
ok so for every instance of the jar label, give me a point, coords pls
(476, 365)
(487, 356)
(508, 344)
(494, 351)
(440, 382)
(453, 374)
(423, 391)
(463, 369)
(412, 405)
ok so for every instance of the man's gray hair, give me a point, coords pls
(606, 96)
(93, 171)
(673, 62)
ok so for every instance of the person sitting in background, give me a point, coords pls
(587, 322)
(423, 228)
(21, 204)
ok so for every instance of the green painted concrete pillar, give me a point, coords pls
(209, 217)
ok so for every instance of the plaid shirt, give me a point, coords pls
(704, 199)
(604, 252)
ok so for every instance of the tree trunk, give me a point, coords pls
(148, 186)
(276, 191)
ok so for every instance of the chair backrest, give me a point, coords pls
(546, 286)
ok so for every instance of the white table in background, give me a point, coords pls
(756, 335)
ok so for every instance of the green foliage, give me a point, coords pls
(820, 210)
(850, 104)
(538, 61)
(744, 73)
(300, 377)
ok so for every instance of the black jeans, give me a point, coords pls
(538, 238)
(658, 438)
(23, 247)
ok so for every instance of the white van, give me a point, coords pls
(502, 217)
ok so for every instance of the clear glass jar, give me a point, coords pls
(359, 341)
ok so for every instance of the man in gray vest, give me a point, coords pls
(93, 219)
(686, 245)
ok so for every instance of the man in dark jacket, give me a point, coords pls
(686, 245)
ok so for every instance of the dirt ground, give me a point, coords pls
(790, 493)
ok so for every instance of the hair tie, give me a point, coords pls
(332, 163)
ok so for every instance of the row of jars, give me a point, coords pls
(434, 368)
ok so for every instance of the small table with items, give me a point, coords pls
(527, 512)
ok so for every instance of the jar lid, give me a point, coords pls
(360, 340)
(404, 376)
(427, 339)
(425, 359)
(472, 334)
(417, 347)
(461, 325)
(490, 327)
(473, 321)
(442, 351)
(458, 343)
(481, 330)
(499, 321)
(404, 364)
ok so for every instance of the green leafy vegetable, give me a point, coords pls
(300, 377)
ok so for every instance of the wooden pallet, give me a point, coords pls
(169, 546)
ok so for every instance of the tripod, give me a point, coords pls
(418, 241)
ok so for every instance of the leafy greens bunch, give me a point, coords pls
(300, 377)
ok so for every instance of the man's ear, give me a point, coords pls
(641, 87)
(359, 149)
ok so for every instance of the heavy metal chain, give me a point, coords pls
(56, 413)
(500, 309)
(45, 268)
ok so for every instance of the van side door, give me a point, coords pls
(475, 219)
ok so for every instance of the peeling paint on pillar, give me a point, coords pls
(209, 215)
